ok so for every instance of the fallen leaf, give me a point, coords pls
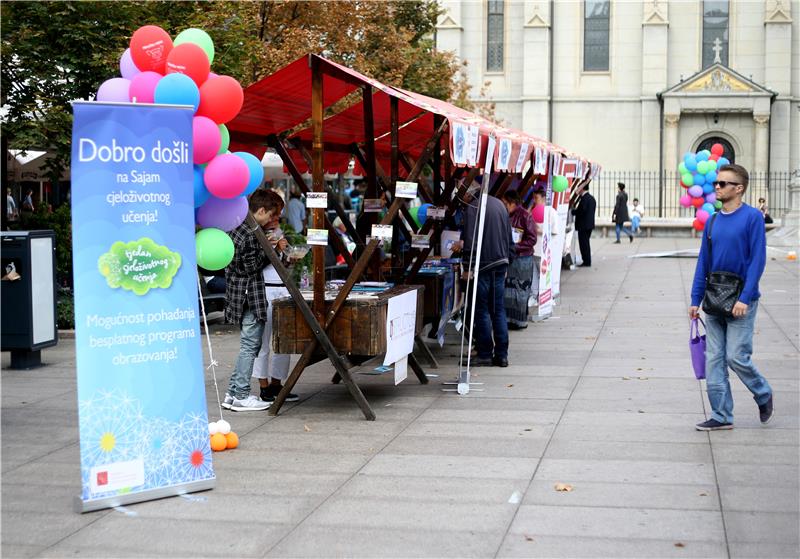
(626, 378)
(306, 428)
(509, 385)
(642, 378)
(528, 429)
(679, 544)
(639, 369)
(641, 411)
(563, 487)
(703, 494)
(529, 538)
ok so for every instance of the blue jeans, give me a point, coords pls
(619, 227)
(491, 328)
(635, 223)
(729, 343)
(252, 330)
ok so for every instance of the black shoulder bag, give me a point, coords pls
(722, 288)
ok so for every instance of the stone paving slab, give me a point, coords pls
(609, 409)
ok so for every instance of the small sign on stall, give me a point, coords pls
(317, 200)
(373, 205)
(436, 213)
(382, 231)
(317, 237)
(420, 241)
(405, 189)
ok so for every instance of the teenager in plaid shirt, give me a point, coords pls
(246, 300)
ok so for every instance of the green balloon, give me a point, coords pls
(687, 179)
(214, 249)
(226, 139)
(199, 38)
(682, 168)
(718, 204)
(414, 215)
(560, 183)
(702, 167)
(712, 165)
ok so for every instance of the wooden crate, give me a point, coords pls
(358, 329)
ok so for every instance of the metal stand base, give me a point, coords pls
(25, 359)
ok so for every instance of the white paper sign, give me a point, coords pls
(401, 321)
(460, 142)
(405, 189)
(504, 155)
(116, 475)
(421, 241)
(523, 153)
(373, 205)
(317, 200)
(540, 166)
(436, 213)
(401, 370)
(317, 237)
(472, 149)
(382, 231)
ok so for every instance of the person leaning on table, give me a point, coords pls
(738, 245)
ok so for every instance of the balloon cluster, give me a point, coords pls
(156, 69)
(221, 435)
(698, 173)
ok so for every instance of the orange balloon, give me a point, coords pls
(232, 439)
(218, 442)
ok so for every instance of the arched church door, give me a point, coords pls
(727, 148)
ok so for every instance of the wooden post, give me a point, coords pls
(395, 169)
(318, 173)
(437, 163)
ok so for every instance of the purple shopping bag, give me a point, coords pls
(697, 347)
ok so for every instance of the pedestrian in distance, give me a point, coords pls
(584, 211)
(520, 272)
(620, 214)
(246, 300)
(762, 207)
(734, 242)
(296, 212)
(637, 213)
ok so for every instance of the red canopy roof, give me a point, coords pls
(282, 101)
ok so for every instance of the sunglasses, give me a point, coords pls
(723, 184)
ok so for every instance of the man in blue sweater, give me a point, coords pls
(739, 246)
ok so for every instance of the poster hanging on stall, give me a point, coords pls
(143, 421)
(545, 267)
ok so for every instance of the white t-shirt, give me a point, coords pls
(636, 210)
(554, 220)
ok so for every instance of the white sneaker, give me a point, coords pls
(228, 401)
(251, 403)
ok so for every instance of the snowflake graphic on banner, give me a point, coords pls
(114, 429)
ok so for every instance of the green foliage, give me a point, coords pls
(65, 310)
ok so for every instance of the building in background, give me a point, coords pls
(635, 84)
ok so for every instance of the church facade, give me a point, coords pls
(636, 84)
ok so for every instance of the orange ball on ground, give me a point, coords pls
(218, 442)
(232, 440)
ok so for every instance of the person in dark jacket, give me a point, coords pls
(620, 215)
(584, 223)
(490, 329)
(246, 300)
(520, 272)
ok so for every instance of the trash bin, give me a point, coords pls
(28, 295)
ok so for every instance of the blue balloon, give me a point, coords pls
(177, 89)
(422, 213)
(691, 164)
(689, 157)
(723, 161)
(699, 179)
(701, 156)
(708, 188)
(256, 171)
(201, 193)
(711, 176)
(709, 208)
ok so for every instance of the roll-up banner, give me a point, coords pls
(142, 412)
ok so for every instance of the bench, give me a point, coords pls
(661, 227)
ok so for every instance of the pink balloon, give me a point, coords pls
(538, 213)
(143, 87)
(114, 90)
(686, 200)
(702, 216)
(207, 140)
(226, 176)
(126, 66)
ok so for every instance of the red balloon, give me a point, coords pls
(150, 46)
(191, 60)
(717, 149)
(220, 99)
(714, 157)
(698, 225)
(698, 202)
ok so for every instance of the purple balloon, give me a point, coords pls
(225, 214)
(126, 66)
(711, 198)
(114, 90)
(696, 191)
